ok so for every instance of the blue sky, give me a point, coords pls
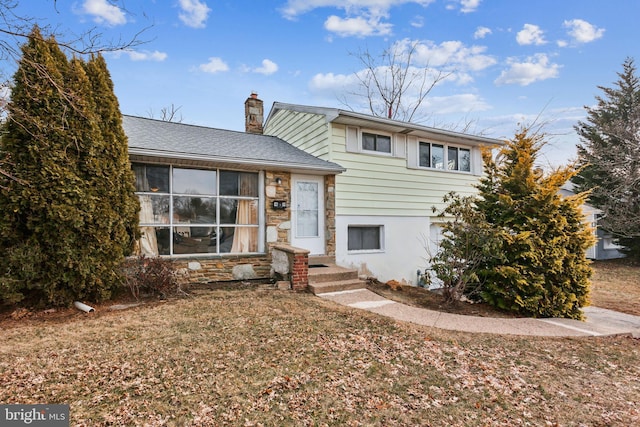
(509, 61)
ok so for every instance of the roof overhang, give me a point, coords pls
(191, 160)
(351, 118)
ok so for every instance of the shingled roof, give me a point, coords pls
(151, 140)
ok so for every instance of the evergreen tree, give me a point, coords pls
(609, 157)
(518, 243)
(115, 181)
(60, 239)
(542, 270)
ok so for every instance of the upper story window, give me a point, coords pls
(438, 156)
(189, 211)
(376, 142)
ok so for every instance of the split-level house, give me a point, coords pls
(396, 173)
(217, 202)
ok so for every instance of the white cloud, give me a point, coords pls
(332, 82)
(450, 54)
(146, 55)
(104, 12)
(462, 103)
(346, 87)
(358, 26)
(451, 58)
(268, 67)
(417, 22)
(295, 8)
(534, 69)
(361, 17)
(466, 6)
(469, 5)
(454, 58)
(530, 34)
(583, 32)
(481, 32)
(215, 65)
(194, 13)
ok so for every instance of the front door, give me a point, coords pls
(307, 213)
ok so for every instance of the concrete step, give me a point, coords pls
(322, 260)
(330, 273)
(340, 285)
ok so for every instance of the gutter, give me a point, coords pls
(260, 164)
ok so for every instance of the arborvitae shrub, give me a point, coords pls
(68, 213)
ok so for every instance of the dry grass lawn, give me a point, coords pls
(259, 357)
(616, 285)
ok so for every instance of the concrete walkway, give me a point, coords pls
(600, 322)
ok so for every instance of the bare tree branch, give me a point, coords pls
(168, 114)
(16, 29)
(393, 86)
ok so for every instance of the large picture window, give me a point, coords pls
(433, 156)
(192, 211)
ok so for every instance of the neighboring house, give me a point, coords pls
(217, 201)
(396, 172)
(605, 247)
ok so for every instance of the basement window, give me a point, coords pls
(364, 237)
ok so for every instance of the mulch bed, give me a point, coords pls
(422, 297)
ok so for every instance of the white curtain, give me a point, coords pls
(148, 243)
(245, 239)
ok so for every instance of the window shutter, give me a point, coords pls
(400, 146)
(412, 153)
(476, 161)
(353, 144)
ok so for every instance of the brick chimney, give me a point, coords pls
(253, 114)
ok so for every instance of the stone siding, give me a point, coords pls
(202, 270)
(330, 214)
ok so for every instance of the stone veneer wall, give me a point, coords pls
(278, 222)
(233, 267)
(330, 211)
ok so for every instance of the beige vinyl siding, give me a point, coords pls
(306, 131)
(383, 185)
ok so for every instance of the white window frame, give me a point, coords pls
(381, 238)
(445, 156)
(376, 133)
(608, 243)
(354, 143)
(180, 228)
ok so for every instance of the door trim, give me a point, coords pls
(316, 245)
